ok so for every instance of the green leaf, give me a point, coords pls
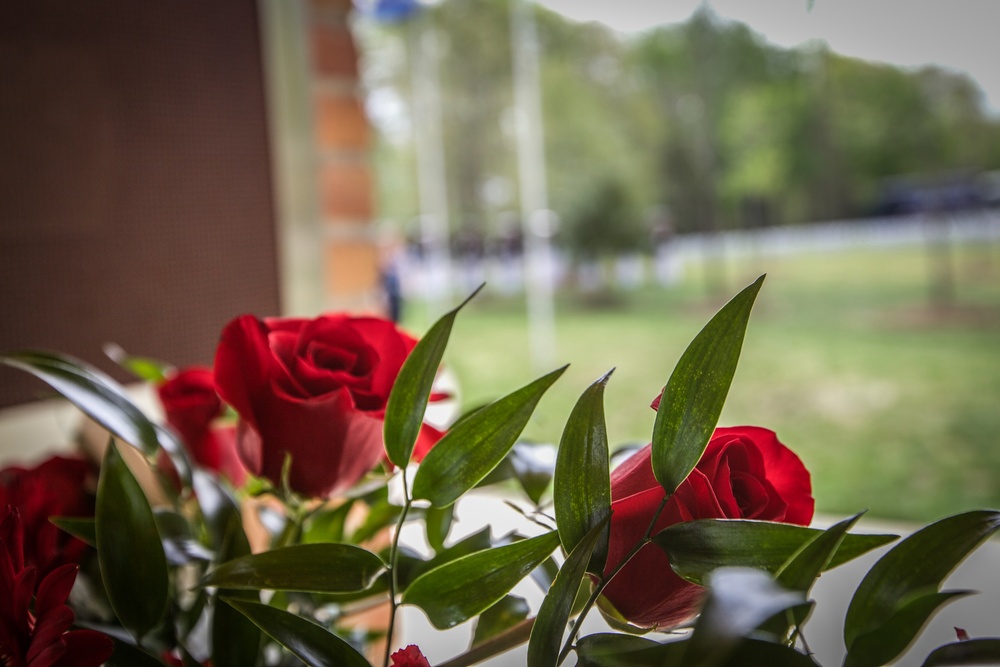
(983, 651)
(102, 399)
(327, 525)
(473, 447)
(95, 393)
(582, 488)
(739, 600)
(550, 623)
(477, 541)
(608, 649)
(437, 523)
(404, 412)
(309, 642)
(219, 509)
(83, 529)
(533, 465)
(505, 614)
(895, 633)
(757, 652)
(467, 586)
(144, 368)
(179, 543)
(918, 564)
(612, 650)
(695, 548)
(129, 551)
(129, 655)
(235, 639)
(317, 568)
(802, 569)
(692, 400)
(381, 514)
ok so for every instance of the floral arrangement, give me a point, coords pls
(260, 524)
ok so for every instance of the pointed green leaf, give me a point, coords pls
(883, 644)
(309, 642)
(381, 514)
(505, 614)
(129, 550)
(317, 568)
(697, 547)
(235, 639)
(219, 508)
(612, 650)
(473, 447)
(102, 399)
(907, 568)
(550, 623)
(437, 523)
(757, 652)
(692, 400)
(739, 600)
(582, 488)
(127, 654)
(151, 370)
(179, 543)
(804, 567)
(404, 412)
(983, 651)
(95, 393)
(608, 649)
(81, 528)
(533, 465)
(467, 586)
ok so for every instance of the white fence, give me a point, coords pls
(505, 275)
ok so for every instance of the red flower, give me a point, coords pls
(59, 486)
(315, 389)
(745, 473)
(409, 657)
(41, 638)
(192, 405)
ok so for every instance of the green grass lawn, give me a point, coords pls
(893, 405)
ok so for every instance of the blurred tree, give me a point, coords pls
(703, 117)
(606, 222)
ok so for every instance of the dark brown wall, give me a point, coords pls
(135, 192)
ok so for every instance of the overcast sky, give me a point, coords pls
(960, 34)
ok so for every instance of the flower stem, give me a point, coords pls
(393, 570)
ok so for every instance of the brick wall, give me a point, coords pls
(343, 140)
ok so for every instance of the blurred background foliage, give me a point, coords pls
(703, 119)
(879, 364)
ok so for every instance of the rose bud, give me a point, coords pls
(192, 407)
(314, 389)
(745, 473)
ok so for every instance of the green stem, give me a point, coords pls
(290, 534)
(393, 570)
(605, 580)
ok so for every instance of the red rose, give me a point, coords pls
(745, 473)
(59, 486)
(315, 389)
(192, 405)
(409, 657)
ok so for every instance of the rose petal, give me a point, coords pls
(785, 471)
